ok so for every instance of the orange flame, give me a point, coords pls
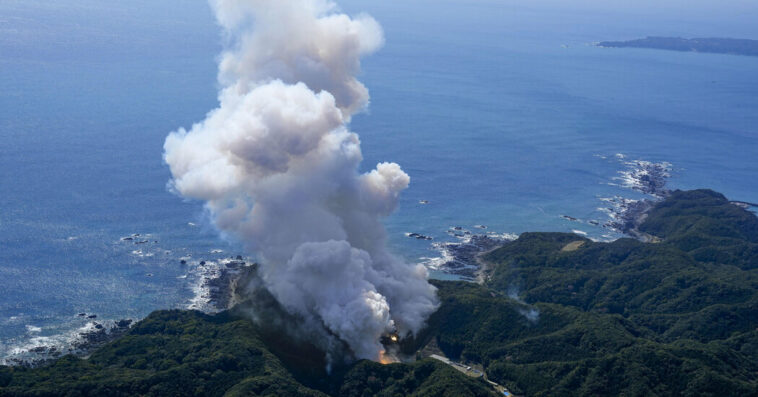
(385, 358)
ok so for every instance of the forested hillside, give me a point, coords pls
(557, 315)
(182, 353)
(678, 317)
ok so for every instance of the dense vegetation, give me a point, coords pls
(714, 45)
(168, 353)
(557, 315)
(679, 317)
(181, 353)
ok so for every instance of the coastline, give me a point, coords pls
(80, 342)
(215, 291)
(482, 274)
(711, 45)
(465, 258)
(216, 281)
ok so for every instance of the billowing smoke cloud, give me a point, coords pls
(278, 169)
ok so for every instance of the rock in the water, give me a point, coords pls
(418, 236)
(461, 258)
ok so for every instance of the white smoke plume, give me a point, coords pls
(278, 168)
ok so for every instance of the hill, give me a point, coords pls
(557, 315)
(679, 317)
(182, 353)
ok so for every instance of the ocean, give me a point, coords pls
(503, 114)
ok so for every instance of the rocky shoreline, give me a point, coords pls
(218, 285)
(627, 214)
(83, 342)
(462, 258)
(218, 280)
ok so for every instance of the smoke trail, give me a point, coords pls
(278, 169)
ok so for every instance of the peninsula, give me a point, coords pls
(711, 45)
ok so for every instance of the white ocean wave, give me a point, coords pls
(202, 274)
(36, 349)
(201, 289)
(455, 256)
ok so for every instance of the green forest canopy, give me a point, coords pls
(678, 317)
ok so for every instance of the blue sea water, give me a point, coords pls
(500, 111)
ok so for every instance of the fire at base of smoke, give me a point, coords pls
(278, 169)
